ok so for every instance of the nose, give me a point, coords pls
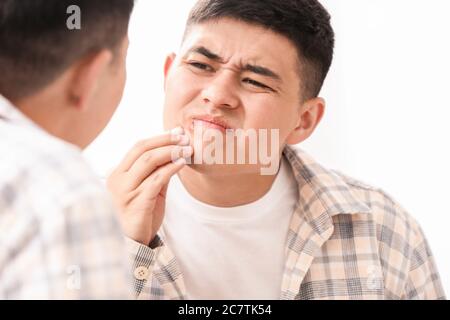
(221, 91)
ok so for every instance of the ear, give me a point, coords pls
(87, 75)
(311, 113)
(167, 65)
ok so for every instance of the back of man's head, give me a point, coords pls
(37, 42)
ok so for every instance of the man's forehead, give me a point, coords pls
(234, 39)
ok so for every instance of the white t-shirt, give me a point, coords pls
(231, 253)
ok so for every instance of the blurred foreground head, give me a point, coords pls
(45, 60)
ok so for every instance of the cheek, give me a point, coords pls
(118, 86)
(288, 123)
(182, 86)
(113, 95)
(181, 91)
(261, 112)
(271, 114)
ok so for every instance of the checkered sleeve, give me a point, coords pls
(423, 281)
(156, 271)
(85, 251)
(143, 259)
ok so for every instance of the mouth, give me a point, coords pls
(210, 123)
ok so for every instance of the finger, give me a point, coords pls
(157, 181)
(171, 138)
(152, 160)
(163, 192)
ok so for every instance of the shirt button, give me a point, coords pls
(141, 273)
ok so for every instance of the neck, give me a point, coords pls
(48, 111)
(226, 191)
(52, 111)
(46, 116)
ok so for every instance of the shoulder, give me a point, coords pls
(42, 171)
(370, 218)
(391, 217)
(402, 244)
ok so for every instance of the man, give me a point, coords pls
(59, 86)
(230, 232)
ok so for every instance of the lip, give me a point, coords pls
(211, 122)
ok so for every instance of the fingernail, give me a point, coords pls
(175, 138)
(184, 140)
(180, 161)
(177, 131)
(187, 151)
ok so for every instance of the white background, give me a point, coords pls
(387, 93)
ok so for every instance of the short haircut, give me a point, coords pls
(37, 46)
(306, 23)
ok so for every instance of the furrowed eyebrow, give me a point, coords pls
(207, 53)
(260, 70)
(263, 71)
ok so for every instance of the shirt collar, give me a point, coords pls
(7, 110)
(322, 192)
(11, 114)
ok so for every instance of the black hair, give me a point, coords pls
(306, 23)
(37, 45)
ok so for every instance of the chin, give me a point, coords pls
(221, 170)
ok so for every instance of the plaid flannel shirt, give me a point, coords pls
(59, 238)
(346, 240)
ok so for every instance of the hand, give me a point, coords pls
(139, 183)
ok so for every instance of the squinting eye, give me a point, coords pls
(201, 66)
(257, 84)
